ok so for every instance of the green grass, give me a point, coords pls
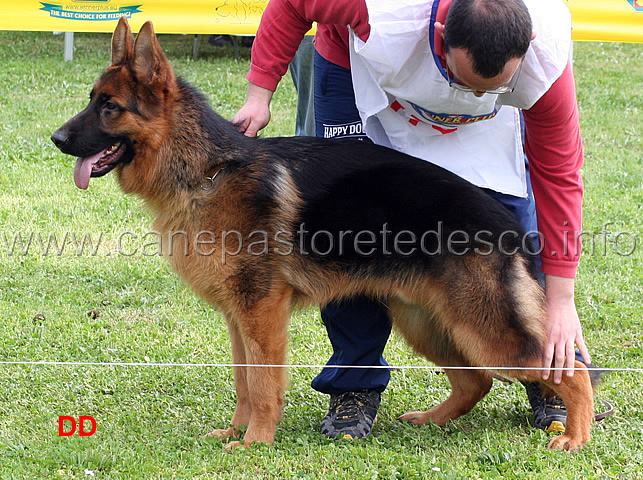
(151, 419)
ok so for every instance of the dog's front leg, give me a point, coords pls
(241, 415)
(262, 329)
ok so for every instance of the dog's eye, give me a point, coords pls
(111, 106)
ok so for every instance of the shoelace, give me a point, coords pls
(350, 408)
(555, 402)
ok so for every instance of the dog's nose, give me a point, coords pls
(60, 138)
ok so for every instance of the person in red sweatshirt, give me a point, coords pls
(483, 88)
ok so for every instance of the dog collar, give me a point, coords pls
(208, 182)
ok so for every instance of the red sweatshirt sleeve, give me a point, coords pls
(555, 152)
(284, 24)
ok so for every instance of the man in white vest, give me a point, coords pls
(475, 86)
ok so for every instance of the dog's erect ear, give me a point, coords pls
(149, 61)
(122, 42)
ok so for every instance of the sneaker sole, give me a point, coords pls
(556, 427)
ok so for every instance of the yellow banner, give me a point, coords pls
(607, 20)
(239, 17)
(597, 20)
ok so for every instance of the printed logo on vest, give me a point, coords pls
(442, 119)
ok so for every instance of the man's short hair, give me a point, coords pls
(492, 31)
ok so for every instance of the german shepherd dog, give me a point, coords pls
(333, 219)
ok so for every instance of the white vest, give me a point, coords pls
(405, 101)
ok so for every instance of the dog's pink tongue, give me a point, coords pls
(83, 170)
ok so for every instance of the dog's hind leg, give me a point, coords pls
(468, 387)
(577, 394)
(423, 331)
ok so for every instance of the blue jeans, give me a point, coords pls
(301, 71)
(359, 328)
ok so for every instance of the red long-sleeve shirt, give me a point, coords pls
(552, 132)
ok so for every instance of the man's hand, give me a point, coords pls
(255, 113)
(563, 328)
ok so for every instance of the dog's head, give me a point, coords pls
(126, 117)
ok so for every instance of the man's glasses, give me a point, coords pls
(510, 87)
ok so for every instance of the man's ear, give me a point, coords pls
(439, 27)
(122, 42)
(533, 35)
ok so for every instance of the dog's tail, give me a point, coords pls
(595, 373)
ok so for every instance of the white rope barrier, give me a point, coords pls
(231, 365)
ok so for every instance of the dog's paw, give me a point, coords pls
(234, 445)
(416, 418)
(566, 442)
(222, 433)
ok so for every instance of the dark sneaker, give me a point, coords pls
(351, 414)
(550, 414)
